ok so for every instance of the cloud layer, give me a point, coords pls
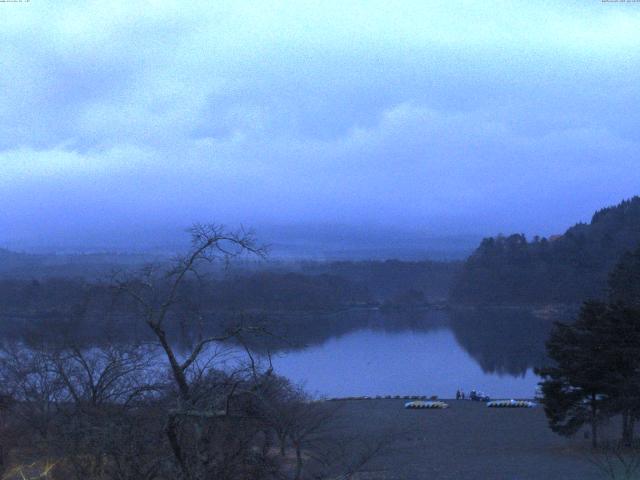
(476, 117)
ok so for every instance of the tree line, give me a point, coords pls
(309, 286)
(562, 269)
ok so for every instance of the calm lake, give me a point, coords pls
(421, 353)
(373, 352)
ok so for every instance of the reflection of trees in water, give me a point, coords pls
(502, 340)
(296, 331)
(273, 331)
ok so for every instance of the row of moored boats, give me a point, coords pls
(437, 404)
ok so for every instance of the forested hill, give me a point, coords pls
(565, 269)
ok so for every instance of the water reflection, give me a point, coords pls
(370, 362)
(377, 353)
(373, 352)
(503, 341)
(299, 331)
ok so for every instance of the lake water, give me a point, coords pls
(413, 352)
(431, 353)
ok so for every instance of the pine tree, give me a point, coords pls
(624, 281)
(576, 390)
(597, 359)
(623, 333)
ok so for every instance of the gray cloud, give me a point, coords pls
(476, 119)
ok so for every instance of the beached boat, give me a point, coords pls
(511, 404)
(419, 404)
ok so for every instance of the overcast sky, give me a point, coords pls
(449, 117)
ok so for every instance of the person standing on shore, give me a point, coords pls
(458, 394)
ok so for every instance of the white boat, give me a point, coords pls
(511, 404)
(419, 404)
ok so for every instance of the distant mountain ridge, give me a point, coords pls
(90, 266)
(570, 268)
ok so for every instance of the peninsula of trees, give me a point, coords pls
(565, 269)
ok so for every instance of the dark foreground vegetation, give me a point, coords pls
(116, 413)
(596, 375)
(566, 268)
(114, 410)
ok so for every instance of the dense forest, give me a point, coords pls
(32, 282)
(395, 281)
(560, 269)
(74, 294)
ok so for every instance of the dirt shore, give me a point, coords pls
(469, 441)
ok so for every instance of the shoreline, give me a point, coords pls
(419, 397)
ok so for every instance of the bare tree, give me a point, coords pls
(106, 387)
(156, 293)
(117, 411)
(75, 407)
(26, 377)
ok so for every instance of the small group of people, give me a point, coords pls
(473, 395)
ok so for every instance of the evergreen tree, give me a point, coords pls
(597, 359)
(624, 281)
(576, 389)
(623, 332)
(620, 333)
